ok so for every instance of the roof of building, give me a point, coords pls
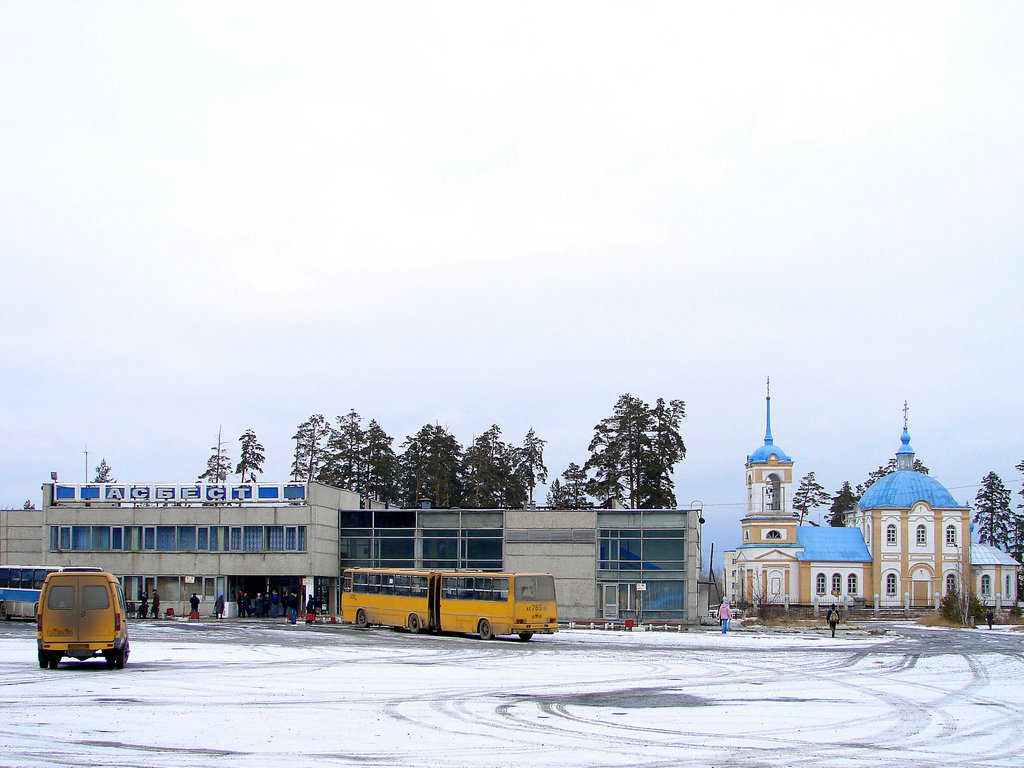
(983, 554)
(828, 544)
(903, 489)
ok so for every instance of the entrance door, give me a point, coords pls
(921, 593)
(610, 601)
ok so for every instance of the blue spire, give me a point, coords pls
(905, 455)
(768, 412)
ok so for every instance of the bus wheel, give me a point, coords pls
(414, 623)
(109, 658)
(524, 636)
(120, 657)
(54, 660)
(484, 628)
(361, 618)
(44, 659)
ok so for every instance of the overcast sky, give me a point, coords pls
(240, 214)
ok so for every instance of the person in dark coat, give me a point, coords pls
(143, 604)
(156, 604)
(832, 617)
(989, 617)
(218, 607)
(194, 602)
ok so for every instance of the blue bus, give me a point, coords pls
(19, 589)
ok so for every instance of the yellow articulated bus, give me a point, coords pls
(486, 604)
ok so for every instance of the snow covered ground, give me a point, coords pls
(249, 694)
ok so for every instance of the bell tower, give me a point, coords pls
(769, 474)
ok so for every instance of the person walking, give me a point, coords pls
(218, 607)
(832, 617)
(293, 606)
(724, 614)
(156, 604)
(310, 610)
(989, 617)
(143, 604)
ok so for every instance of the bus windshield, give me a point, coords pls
(536, 588)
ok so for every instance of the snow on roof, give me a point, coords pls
(983, 554)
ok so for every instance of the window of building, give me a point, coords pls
(986, 585)
(1007, 594)
(252, 538)
(851, 584)
(81, 537)
(203, 538)
(186, 538)
(236, 539)
(890, 584)
(773, 535)
(819, 586)
(837, 583)
(289, 539)
(950, 583)
(922, 535)
(149, 537)
(166, 538)
(890, 534)
(275, 538)
(951, 534)
(116, 537)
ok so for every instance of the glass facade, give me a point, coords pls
(647, 548)
(410, 538)
(177, 538)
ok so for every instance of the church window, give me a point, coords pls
(922, 535)
(820, 586)
(890, 584)
(986, 585)
(890, 534)
(773, 535)
(851, 584)
(1006, 594)
(951, 534)
(950, 583)
(837, 583)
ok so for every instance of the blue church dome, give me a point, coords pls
(905, 488)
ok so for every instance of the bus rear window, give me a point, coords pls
(95, 597)
(538, 588)
(61, 597)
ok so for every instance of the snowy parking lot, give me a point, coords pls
(245, 694)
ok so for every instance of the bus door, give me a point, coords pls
(434, 601)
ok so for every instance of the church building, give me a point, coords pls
(906, 542)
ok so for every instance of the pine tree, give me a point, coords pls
(809, 494)
(531, 469)
(381, 465)
(844, 501)
(250, 462)
(1017, 533)
(992, 512)
(575, 486)
(429, 468)
(556, 497)
(310, 447)
(489, 473)
(28, 504)
(103, 473)
(344, 458)
(218, 466)
(633, 453)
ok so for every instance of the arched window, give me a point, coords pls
(922, 535)
(951, 534)
(986, 585)
(890, 584)
(950, 583)
(820, 586)
(851, 584)
(773, 493)
(837, 582)
(890, 534)
(773, 535)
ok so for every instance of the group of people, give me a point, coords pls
(144, 606)
(832, 618)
